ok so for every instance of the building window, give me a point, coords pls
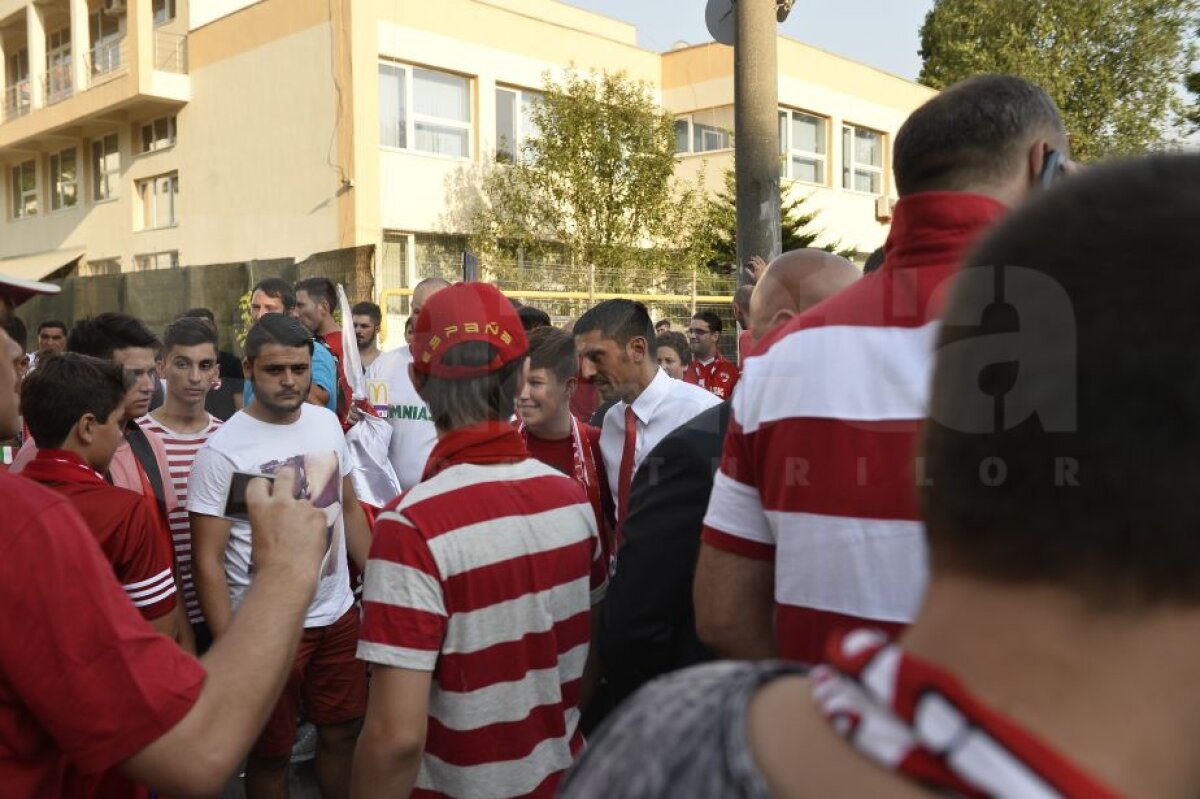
(64, 180)
(514, 121)
(18, 98)
(862, 160)
(107, 35)
(103, 266)
(58, 65)
(106, 168)
(158, 197)
(164, 11)
(803, 143)
(704, 131)
(156, 260)
(158, 134)
(24, 190)
(424, 110)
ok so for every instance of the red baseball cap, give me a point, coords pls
(466, 312)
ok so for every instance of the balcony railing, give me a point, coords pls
(57, 83)
(108, 58)
(18, 100)
(170, 52)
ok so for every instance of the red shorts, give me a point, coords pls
(329, 678)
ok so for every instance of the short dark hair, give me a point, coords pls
(874, 261)
(662, 322)
(553, 349)
(101, 335)
(277, 288)
(620, 320)
(533, 318)
(368, 309)
(971, 134)
(319, 289)
(276, 328)
(709, 318)
(460, 403)
(202, 313)
(189, 331)
(63, 388)
(53, 323)
(1100, 480)
(741, 297)
(676, 341)
(16, 330)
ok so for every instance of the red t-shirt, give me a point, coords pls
(560, 455)
(85, 683)
(125, 525)
(718, 377)
(585, 400)
(334, 340)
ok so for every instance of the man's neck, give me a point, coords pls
(182, 417)
(327, 327)
(644, 379)
(554, 429)
(1112, 691)
(257, 410)
(80, 450)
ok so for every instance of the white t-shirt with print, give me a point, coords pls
(316, 444)
(390, 390)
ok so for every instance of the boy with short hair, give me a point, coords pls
(74, 405)
(188, 363)
(552, 435)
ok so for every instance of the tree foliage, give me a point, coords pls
(718, 233)
(595, 187)
(1113, 66)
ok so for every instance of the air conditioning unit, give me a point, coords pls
(883, 208)
(113, 7)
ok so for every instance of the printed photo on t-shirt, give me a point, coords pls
(318, 479)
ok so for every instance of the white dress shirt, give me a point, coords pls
(663, 406)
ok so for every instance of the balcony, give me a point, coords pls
(57, 84)
(170, 53)
(18, 101)
(107, 59)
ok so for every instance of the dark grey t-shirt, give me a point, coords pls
(681, 735)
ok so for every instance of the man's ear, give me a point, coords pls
(85, 429)
(636, 348)
(1036, 157)
(570, 386)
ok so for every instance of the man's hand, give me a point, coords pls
(756, 265)
(285, 532)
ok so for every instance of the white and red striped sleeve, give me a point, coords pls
(735, 521)
(404, 610)
(144, 565)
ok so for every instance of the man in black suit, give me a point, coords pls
(648, 626)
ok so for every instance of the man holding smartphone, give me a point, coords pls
(281, 430)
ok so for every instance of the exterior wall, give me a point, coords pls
(810, 80)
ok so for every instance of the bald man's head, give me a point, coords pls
(793, 283)
(426, 289)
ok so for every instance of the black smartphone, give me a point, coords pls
(1052, 169)
(235, 503)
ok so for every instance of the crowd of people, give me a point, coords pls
(930, 536)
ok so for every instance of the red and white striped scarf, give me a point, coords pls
(919, 721)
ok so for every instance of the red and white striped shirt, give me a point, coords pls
(485, 574)
(181, 451)
(818, 470)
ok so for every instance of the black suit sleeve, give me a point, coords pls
(648, 625)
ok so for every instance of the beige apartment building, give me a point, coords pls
(151, 134)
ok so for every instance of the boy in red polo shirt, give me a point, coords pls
(479, 585)
(552, 435)
(75, 407)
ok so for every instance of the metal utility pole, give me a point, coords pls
(756, 126)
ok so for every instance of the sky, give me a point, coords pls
(880, 33)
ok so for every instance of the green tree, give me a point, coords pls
(718, 235)
(1113, 66)
(595, 187)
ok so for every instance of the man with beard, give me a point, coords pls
(280, 429)
(367, 318)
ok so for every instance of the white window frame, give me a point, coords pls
(168, 7)
(19, 195)
(149, 202)
(520, 98)
(155, 143)
(100, 266)
(105, 182)
(788, 150)
(59, 78)
(691, 136)
(58, 185)
(106, 48)
(151, 261)
(850, 166)
(411, 117)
